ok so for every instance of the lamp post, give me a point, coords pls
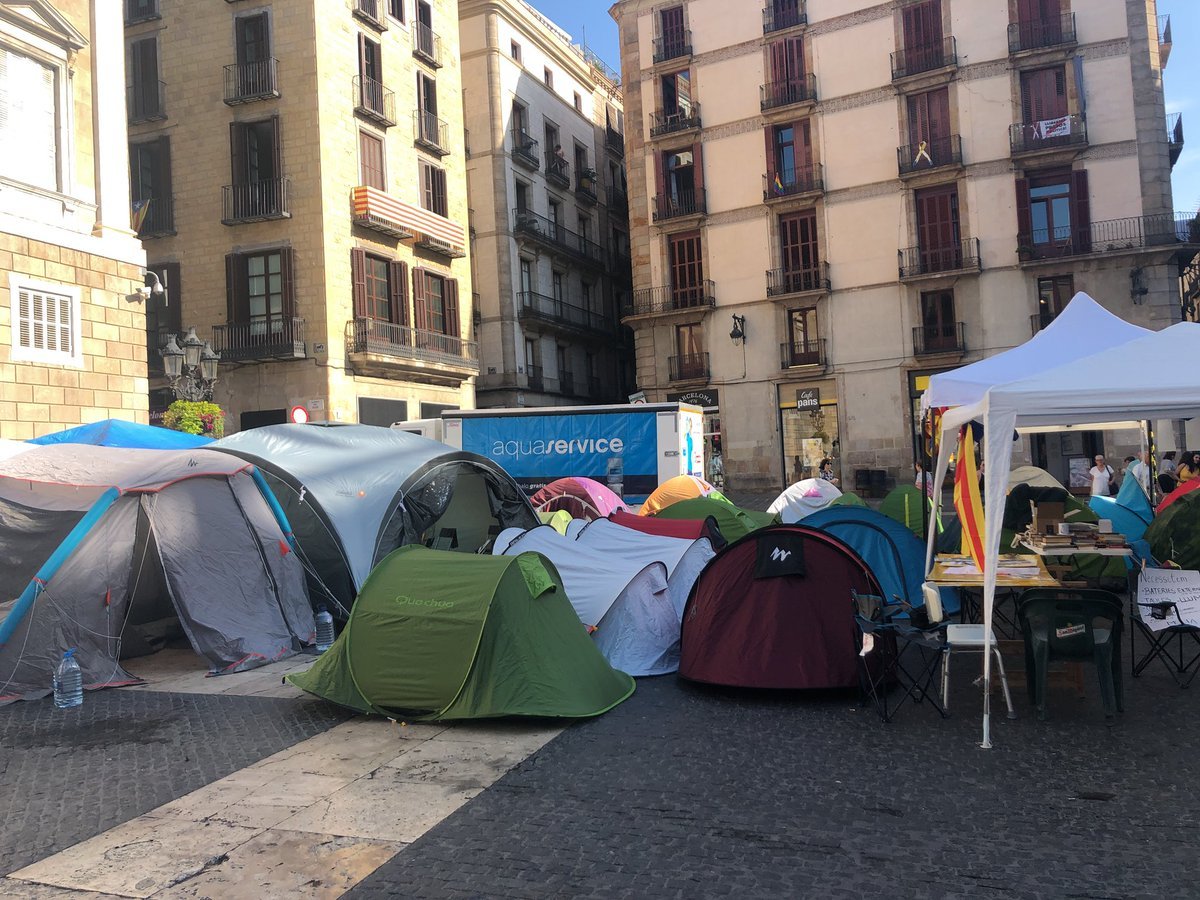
(190, 367)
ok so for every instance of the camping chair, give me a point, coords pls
(887, 632)
(1172, 644)
(1081, 625)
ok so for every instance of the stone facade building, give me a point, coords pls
(548, 191)
(832, 201)
(72, 342)
(307, 203)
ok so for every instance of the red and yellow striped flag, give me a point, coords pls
(967, 500)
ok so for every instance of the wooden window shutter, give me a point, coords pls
(420, 309)
(237, 152)
(698, 168)
(423, 168)
(442, 201)
(803, 144)
(287, 271)
(769, 139)
(163, 187)
(133, 76)
(660, 181)
(171, 315)
(1081, 212)
(778, 61)
(1024, 216)
(451, 295)
(398, 283)
(237, 288)
(276, 151)
(358, 282)
(363, 65)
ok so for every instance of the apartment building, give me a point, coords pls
(831, 201)
(72, 324)
(299, 173)
(550, 211)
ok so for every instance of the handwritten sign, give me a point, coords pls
(1176, 586)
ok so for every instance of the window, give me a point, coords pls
(1054, 293)
(520, 119)
(556, 281)
(585, 295)
(141, 11)
(427, 107)
(671, 31)
(787, 70)
(939, 330)
(1053, 213)
(1039, 23)
(143, 86)
(531, 360)
(150, 186)
(555, 209)
(929, 124)
(252, 39)
(260, 291)
(922, 35)
(526, 276)
(370, 156)
(370, 73)
(679, 173)
(380, 293)
(689, 350)
(938, 234)
(578, 102)
(514, 50)
(687, 269)
(45, 320)
(802, 329)
(548, 77)
(435, 306)
(255, 155)
(677, 96)
(585, 228)
(798, 252)
(789, 158)
(521, 192)
(382, 412)
(433, 189)
(396, 9)
(1043, 94)
(29, 120)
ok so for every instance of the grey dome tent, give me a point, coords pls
(97, 543)
(355, 493)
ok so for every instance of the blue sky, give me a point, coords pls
(589, 19)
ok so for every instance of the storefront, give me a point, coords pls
(808, 424)
(708, 400)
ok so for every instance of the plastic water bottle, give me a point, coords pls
(324, 629)
(68, 682)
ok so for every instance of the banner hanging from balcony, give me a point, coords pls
(1053, 128)
(380, 211)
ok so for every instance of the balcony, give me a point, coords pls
(247, 82)
(263, 341)
(679, 205)
(558, 170)
(795, 182)
(1066, 132)
(614, 141)
(431, 133)
(922, 262)
(1038, 34)
(781, 14)
(1040, 320)
(689, 367)
(796, 354)
(1175, 136)
(1174, 230)
(146, 102)
(933, 340)
(676, 121)
(794, 280)
(595, 386)
(386, 350)
(427, 45)
(557, 237)
(929, 155)
(374, 101)
(617, 198)
(159, 220)
(525, 150)
(915, 60)
(566, 382)
(156, 340)
(1164, 40)
(369, 12)
(620, 267)
(778, 94)
(563, 316)
(674, 45)
(535, 378)
(255, 201)
(585, 186)
(141, 11)
(670, 298)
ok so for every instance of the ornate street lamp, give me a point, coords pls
(191, 368)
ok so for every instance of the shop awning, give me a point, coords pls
(382, 212)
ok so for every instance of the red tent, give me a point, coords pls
(583, 498)
(689, 529)
(1192, 484)
(773, 610)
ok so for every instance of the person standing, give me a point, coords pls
(826, 471)
(1102, 477)
(1139, 468)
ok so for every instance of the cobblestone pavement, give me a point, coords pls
(66, 775)
(691, 792)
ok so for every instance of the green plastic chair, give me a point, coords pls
(1083, 625)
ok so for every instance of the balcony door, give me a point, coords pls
(671, 25)
(802, 337)
(255, 152)
(923, 37)
(370, 71)
(929, 127)
(939, 330)
(938, 234)
(786, 13)
(1043, 95)
(428, 105)
(677, 96)
(689, 351)
(687, 269)
(799, 252)
(790, 157)
(787, 70)
(679, 172)
(1039, 22)
(144, 95)
(1054, 214)
(261, 302)
(252, 38)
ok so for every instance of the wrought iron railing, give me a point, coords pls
(558, 170)
(279, 337)
(673, 45)
(617, 198)
(671, 298)
(380, 338)
(1040, 320)
(926, 58)
(943, 337)
(159, 219)
(918, 261)
(374, 101)
(535, 377)
(1051, 31)
(799, 89)
(781, 14)
(688, 367)
(1064, 131)
(554, 233)
(427, 45)
(680, 203)
(566, 382)
(141, 11)
(797, 279)
(933, 154)
(802, 353)
(525, 149)
(368, 11)
(585, 186)
(256, 201)
(559, 312)
(792, 181)
(146, 102)
(1111, 236)
(614, 141)
(685, 118)
(1175, 136)
(245, 82)
(431, 132)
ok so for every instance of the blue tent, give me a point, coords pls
(895, 555)
(1129, 511)
(118, 433)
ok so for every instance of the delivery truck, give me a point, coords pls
(632, 448)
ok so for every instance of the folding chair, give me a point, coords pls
(895, 653)
(1171, 644)
(970, 639)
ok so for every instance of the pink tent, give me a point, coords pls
(1186, 488)
(583, 498)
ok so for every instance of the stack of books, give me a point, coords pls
(1049, 542)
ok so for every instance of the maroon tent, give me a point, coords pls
(689, 529)
(773, 610)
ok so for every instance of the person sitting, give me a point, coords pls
(1190, 467)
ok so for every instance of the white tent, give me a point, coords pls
(1082, 329)
(803, 499)
(1117, 384)
(9, 449)
(637, 628)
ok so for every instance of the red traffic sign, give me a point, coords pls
(299, 415)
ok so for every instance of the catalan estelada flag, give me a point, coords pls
(967, 500)
(141, 209)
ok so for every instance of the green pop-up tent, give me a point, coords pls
(735, 523)
(440, 635)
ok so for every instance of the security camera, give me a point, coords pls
(141, 295)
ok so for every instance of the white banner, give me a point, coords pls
(1178, 586)
(1054, 128)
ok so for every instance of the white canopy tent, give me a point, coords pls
(1119, 383)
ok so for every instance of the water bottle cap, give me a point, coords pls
(70, 652)
(321, 608)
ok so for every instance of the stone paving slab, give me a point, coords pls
(66, 775)
(183, 671)
(690, 792)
